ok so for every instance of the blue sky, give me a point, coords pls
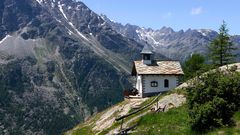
(178, 14)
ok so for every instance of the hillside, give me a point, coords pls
(174, 119)
(171, 122)
(104, 122)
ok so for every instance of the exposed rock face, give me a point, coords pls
(177, 45)
(170, 101)
(59, 63)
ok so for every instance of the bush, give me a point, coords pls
(213, 99)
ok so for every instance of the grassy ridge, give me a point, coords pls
(172, 122)
(175, 122)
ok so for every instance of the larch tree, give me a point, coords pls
(221, 48)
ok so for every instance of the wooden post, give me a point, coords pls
(121, 124)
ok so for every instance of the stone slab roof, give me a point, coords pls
(147, 49)
(158, 68)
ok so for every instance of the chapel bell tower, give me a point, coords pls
(147, 55)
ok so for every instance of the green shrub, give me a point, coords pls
(213, 99)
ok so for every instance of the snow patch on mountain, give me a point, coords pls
(79, 33)
(78, 7)
(204, 32)
(52, 4)
(104, 23)
(60, 6)
(58, 20)
(8, 36)
(149, 36)
(39, 1)
(70, 32)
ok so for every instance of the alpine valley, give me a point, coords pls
(60, 62)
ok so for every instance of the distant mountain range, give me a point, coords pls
(177, 45)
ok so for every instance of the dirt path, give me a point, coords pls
(108, 118)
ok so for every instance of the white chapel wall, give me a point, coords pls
(139, 84)
(147, 79)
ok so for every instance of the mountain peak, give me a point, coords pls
(166, 30)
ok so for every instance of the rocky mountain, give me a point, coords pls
(59, 63)
(177, 45)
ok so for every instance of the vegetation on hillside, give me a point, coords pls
(213, 98)
(220, 53)
(176, 122)
(221, 48)
(195, 65)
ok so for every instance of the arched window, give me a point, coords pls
(166, 83)
(154, 84)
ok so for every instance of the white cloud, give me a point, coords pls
(167, 15)
(196, 11)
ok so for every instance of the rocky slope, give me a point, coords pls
(104, 123)
(59, 63)
(169, 42)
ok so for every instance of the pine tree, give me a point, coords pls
(221, 48)
(193, 65)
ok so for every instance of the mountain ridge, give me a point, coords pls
(168, 42)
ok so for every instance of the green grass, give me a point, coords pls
(115, 125)
(173, 122)
(84, 131)
(176, 122)
(178, 91)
